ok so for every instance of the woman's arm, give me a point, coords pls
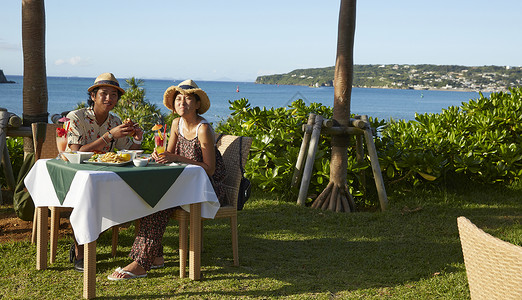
(206, 139)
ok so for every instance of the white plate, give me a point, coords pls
(101, 163)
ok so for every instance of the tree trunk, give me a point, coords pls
(342, 98)
(35, 78)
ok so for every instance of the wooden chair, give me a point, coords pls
(44, 139)
(493, 266)
(229, 146)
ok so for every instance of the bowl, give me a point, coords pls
(84, 155)
(140, 162)
(76, 157)
(133, 153)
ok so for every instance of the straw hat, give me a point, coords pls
(106, 79)
(186, 87)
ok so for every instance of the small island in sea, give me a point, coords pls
(419, 77)
(3, 79)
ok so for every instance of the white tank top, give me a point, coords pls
(181, 125)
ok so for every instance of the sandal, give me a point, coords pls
(121, 271)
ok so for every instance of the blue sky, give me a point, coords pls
(240, 40)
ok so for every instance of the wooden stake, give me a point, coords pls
(374, 159)
(302, 152)
(307, 173)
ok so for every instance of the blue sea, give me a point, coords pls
(65, 92)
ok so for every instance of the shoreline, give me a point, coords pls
(395, 88)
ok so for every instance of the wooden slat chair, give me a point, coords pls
(229, 147)
(493, 266)
(44, 139)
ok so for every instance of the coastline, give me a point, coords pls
(398, 88)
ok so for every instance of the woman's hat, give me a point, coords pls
(106, 79)
(186, 87)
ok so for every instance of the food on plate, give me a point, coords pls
(111, 157)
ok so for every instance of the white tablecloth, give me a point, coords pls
(102, 199)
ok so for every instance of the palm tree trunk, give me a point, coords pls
(341, 110)
(35, 78)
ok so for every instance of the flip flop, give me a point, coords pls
(121, 271)
(157, 266)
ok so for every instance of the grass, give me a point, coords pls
(411, 251)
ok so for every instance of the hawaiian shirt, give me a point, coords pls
(83, 129)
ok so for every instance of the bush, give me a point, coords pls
(480, 140)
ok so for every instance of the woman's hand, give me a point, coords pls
(165, 157)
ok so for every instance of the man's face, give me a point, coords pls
(106, 98)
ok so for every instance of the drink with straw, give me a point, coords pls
(160, 138)
(61, 139)
(159, 141)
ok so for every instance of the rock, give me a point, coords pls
(3, 79)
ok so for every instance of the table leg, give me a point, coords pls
(195, 242)
(55, 225)
(41, 238)
(89, 270)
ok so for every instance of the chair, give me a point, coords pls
(493, 266)
(229, 146)
(45, 147)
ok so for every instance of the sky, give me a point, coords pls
(240, 40)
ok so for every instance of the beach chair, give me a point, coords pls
(493, 266)
(229, 146)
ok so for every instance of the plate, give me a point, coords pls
(100, 163)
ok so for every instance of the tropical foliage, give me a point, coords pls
(133, 105)
(478, 141)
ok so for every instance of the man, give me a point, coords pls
(95, 128)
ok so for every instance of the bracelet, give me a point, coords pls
(135, 141)
(103, 138)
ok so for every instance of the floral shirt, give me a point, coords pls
(83, 129)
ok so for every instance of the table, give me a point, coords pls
(101, 199)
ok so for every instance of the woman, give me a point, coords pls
(95, 128)
(192, 142)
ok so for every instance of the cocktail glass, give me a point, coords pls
(61, 143)
(160, 141)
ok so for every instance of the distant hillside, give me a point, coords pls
(450, 77)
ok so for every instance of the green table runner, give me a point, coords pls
(150, 182)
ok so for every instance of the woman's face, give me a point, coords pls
(186, 104)
(105, 98)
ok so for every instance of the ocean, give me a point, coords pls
(65, 92)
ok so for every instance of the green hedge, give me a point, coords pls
(478, 141)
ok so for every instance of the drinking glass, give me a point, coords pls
(61, 142)
(160, 141)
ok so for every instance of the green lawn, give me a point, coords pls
(411, 251)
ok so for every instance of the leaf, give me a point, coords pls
(427, 176)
